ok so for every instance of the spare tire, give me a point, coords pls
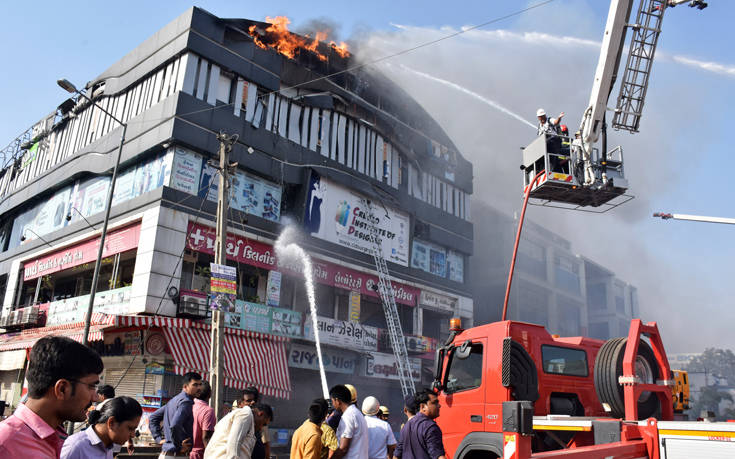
(609, 367)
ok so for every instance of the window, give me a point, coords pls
(599, 330)
(532, 259)
(567, 274)
(464, 374)
(564, 361)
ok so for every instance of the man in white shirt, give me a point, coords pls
(352, 432)
(234, 434)
(382, 442)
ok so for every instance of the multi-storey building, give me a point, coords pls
(316, 141)
(552, 286)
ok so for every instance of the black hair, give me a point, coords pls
(121, 408)
(341, 392)
(318, 410)
(191, 376)
(422, 397)
(206, 391)
(265, 409)
(106, 391)
(252, 390)
(409, 403)
(57, 357)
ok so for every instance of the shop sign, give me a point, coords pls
(120, 240)
(343, 333)
(73, 310)
(339, 215)
(273, 289)
(263, 319)
(379, 365)
(239, 248)
(354, 307)
(335, 361)
(187, 169)
(155, 368)
(438, 301)
(414, 343)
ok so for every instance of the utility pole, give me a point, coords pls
(216, 352)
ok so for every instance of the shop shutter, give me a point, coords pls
(131, 383)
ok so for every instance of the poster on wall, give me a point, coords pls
(186, 171)
(208, 182)
(152, 174)
(455, 263)
(92, 196)
(429, 257)
(337, 214)
(223, 286)
(420, 255)
(245, 193)
(343, 333)
(271, 208)
(124, 186)
(51, 214)
(273, 289)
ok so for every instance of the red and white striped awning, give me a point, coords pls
(251, 359)
(27, 338)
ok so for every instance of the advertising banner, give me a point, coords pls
(186, 171)
(455, 263)
(339, 215)
(153, 174)
(263, 319)
(379, 365)
(414, 343)
(429, 257)
(223, 286)
(335, 361)
(244, 250)
(273, 289)
(354, 307)
(73, 310)
(117, 241)
(343, 333)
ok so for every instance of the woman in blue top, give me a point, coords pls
(111, 425)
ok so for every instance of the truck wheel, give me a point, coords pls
(609, 367)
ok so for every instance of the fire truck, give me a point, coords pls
(510, 389)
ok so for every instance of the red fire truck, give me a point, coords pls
(511, 390)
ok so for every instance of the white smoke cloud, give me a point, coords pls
(464, 82)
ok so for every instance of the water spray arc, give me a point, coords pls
(290, 251)
(472, 94)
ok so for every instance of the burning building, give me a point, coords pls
(317, 136)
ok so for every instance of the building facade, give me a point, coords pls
(552, 285)
(312, 152)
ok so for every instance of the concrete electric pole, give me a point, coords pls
(216, 354)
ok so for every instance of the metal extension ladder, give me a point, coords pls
(385, 288)
(646, 31)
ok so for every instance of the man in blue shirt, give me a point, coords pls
(421, 438)
(177, 419)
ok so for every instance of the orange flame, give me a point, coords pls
(278, 37)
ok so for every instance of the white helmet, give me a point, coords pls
(370, 406)
(540, 112)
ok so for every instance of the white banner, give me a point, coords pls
(335, 361)
(336, 214)
(379, 365)
(343, 334)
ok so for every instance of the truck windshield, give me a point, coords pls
(464, 374)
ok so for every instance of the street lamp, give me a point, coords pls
(70, 88)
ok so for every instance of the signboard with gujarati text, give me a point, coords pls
(343, 333)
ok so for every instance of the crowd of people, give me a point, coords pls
(64, 386)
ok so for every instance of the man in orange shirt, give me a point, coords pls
(306, 442)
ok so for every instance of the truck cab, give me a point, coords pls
(480, 369)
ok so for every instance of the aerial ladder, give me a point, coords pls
(581, 175)
(385, 289)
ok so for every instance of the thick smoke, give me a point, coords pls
(523, 71)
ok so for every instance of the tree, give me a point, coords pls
(709, 399)
(719, 362)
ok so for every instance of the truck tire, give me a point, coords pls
(609, 367)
